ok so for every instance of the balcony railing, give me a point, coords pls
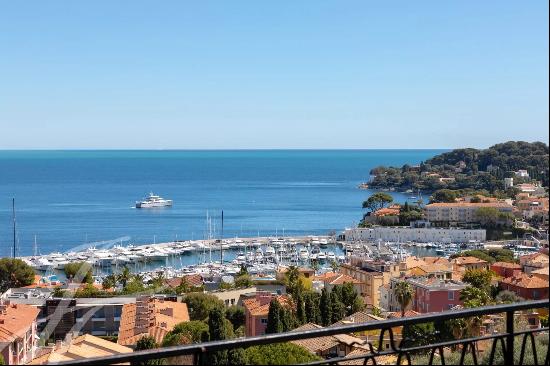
(499, 342)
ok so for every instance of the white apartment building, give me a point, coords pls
(460, 212)
(420, 235)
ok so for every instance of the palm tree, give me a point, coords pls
(124, 276)
(334, 265)
(404, 293)
(315, 267)
(158, 280)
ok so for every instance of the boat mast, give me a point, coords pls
(13, 211)
(221, 244)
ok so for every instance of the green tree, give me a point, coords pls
(274, 318)
(158, 280)
(301, 317)
(338, 309)
(145, 343)
(478, 278)
(351, 300)
(79, 272)
(200, 304)
(279, 354)
(109, 282)
(124, 276)
(195, 331)
(292, 280)
(325, 307)
(14, 273)
(218, 331)
(58, 292)
(377, 201)
(243, 281)
(473, 297)
(404, 294)
(312, 307)
(507, 297)
(417, 335)
(236, 315)
(134, 286)
(444, 195)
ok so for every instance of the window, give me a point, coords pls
(264, 320)
(451, 295)
(535, 294)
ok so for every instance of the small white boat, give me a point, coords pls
(331, 256)
(303, 253)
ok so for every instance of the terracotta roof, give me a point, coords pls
(257, 309)
(193, 280)
(321, 344)
(397, 314)
(468, 260)
(526, 281)
(506, 265)
(543, 271)
(341, 279)
(85, 346)
(163, 317)
(16, 320)
(388, 211)
(437, 260)
(380, 360)
(357, 318)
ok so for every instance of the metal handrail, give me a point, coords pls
(207, 347)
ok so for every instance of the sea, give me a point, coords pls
(67, 199)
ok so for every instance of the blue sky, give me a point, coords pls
(280, 74)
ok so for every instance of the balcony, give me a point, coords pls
(513, 346)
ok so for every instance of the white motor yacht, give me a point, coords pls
(331, 256)
(153, 201)
(303, 254)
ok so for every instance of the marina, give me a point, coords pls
(262, 256)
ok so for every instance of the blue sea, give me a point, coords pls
(70, 198)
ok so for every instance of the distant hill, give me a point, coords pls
(469, 168)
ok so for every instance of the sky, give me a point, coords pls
(279, 74)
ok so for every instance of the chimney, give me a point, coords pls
(167, 311)
(58, 344)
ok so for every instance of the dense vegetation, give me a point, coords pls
(14, 273)
(470, 168)
(489, 255)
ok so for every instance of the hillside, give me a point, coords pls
(468, 169)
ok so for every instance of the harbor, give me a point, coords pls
(262, 256)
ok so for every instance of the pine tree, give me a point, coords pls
(218, 331)
(300, 310)
(337, 308)
(325, 307)
(274, 318)
(286, 320)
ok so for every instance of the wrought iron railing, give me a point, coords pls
(434, 352)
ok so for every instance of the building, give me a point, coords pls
(234, 297)
(531, 189)
(18, 332)
(338, 345)
(505, 269)
(256, 310)
(457, 213)
(532, 262)
(194, 280)
(330, 279)
(150, 316)
(369, 282)
(522, 173)
(508, 183)
(419, 235)
(527, 286)
(435, 295)
(541, 273)
(85, 346)
(462, 264)
(532, 206)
